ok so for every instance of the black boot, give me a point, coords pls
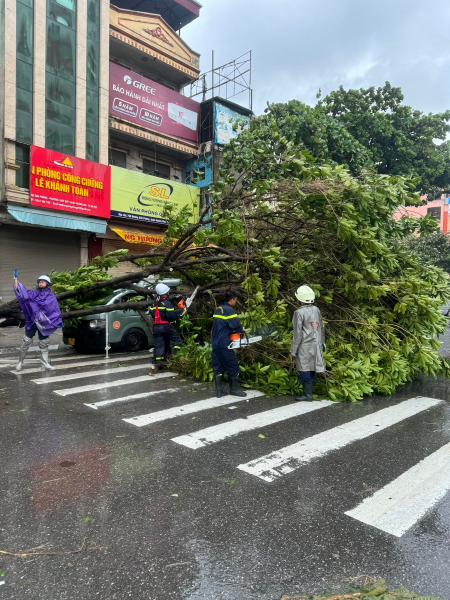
(307, 393)
(218, 384)
(234, 388)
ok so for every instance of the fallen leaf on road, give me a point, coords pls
(261, 436)
(86, 518)
(174, 495)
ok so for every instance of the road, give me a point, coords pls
(172, 493)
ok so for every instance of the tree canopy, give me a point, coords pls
(372, 129)
(279, 219)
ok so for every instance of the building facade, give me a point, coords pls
(87, 84)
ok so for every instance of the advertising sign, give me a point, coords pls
(228, 123)
(139, 100)
(141, 197)
(70, 184)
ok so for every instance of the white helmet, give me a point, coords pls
(44, 278)
(162, 289)
(305, 294)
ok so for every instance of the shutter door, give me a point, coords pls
(34, 252)
(124, 267)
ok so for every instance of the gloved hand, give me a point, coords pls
(16, 273)
(324, 348)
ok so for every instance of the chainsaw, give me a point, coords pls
(241, 340)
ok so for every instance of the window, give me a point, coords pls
(92, 79)
(24, 71)
(60, 69)
(151, 167)
(118, 158)
(23, 161)
(435, 211)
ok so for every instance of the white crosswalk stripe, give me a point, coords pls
(394, 509)
(84, 374)
(220, 432)
(103, 403)
(188, 409)
(400, 504)
(290, 458)
(87, 363)
(101, 386)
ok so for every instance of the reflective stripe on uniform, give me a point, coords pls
(222, 317)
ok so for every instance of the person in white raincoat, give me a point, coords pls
(308, 342)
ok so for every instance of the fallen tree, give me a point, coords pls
(278, 220)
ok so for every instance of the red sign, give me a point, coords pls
(139, 100)
(71, 184)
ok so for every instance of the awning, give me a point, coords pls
(45, 218)
(132, 235)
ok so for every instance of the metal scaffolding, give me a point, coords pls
(228, 81)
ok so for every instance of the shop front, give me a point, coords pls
(69, 202)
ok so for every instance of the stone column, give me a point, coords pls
(10, 69)
(104, 83)
(80, 131)
(40, 34)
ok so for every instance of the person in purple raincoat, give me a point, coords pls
(42, 316)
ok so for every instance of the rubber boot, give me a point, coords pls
(307, 393)
(22, 355)
(43, 347)
(234, 388)
(26, 343)
(218, 384)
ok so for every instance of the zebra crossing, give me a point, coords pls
(393, 509)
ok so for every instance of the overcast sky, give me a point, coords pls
(300, 46)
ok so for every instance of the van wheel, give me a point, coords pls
(133, 340)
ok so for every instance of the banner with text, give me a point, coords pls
(70, 184)
(140, 197)
(150, 105)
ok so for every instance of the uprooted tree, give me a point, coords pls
(277, 220)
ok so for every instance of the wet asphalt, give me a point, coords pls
(155, 520)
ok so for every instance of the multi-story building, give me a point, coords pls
(84, 85)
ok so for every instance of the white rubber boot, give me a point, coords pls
(26, 343)
(43, 346)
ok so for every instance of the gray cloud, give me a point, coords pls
(300, 46)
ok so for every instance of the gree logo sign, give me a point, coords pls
(139, 85)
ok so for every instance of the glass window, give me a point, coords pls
(118, 158)
(26, 2)
(61, 49)
(24, 75)
(24, 126)
(91, 102)
(23, 161)
(24, 100)
(60, 14)
(435, 211)
(91, 146)
(92, 123)
(24, 32)
(60, 113)
(59, 137)
(150, 167)
(93, 11)
(92, 59)
(59, 90)
(93, 32)
(70, 4)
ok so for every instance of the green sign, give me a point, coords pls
(141, 197)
